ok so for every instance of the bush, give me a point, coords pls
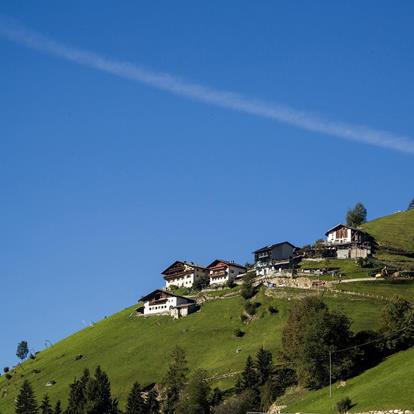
(238, 333)
(31, 356)
(244, 318)
(6, 369)
(344, 405)
(230, 283)
(272, 309)
(250, 307)
(8, 376)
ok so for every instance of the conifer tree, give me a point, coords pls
(58, 408)
(195, 397)
(77, 394)
(174, 380)
(98, 394)
(26, 402)
(45, 406)
(136, 403)
(263, 364)
(248, 378)
(152, 404)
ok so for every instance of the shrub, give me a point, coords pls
(250, 307)
(238, 333)
(8, 376)
(248, 290)
(230, 283)
(6, 369)
(272, 309)
(31, 356)
(344, 405)
(244, 318)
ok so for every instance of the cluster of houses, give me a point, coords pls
(341, 242)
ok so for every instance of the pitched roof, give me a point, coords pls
(343, 225)
(212, 264)
(184, 263)
(147, 297)
(270, 247)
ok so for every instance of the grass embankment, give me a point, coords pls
(394, 235)
(386, 288)
(135, 348)
(386, 386)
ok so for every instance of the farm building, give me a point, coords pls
(163, 302)
(349, 242)
(273, 258)
(222, 271)
(183, 274)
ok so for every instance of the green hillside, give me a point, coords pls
(394, 235)
(386, 386)
(132, 348)
(135, 348)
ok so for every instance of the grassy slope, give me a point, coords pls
(135, 349)
(388, 385)
(394, 232)
(386, 288)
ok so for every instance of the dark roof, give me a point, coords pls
(212, 264)
(343, 225)
(184, 262)
(263, 249)
(147, 297)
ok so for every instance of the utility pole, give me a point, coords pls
(330, 374)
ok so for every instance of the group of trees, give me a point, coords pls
(259, 384)
(314, 335)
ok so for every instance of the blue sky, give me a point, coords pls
(105, 180)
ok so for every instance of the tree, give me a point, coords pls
(58, 408)
(152, 404)
(264, 362)
(247, 290)
(195, 397)
(174, 380)
(310, 334)
(411, 205)
(275, 386)
(248, 378)
(45, 406)
(357, 215)
(238, 404)
(136, 403)
(202, 282)
(398, 324)
(22, 350)
(26, 402)
(77, 394)
(98, 394)
(216, 397)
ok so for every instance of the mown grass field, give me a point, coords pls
(394, 235)
(386, 288)
(135, 349)
(389, 385)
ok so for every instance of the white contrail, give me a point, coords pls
(225, 99)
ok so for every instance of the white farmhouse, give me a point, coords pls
(349, 242)
(163, 302)
(183, 274)
(222, 271)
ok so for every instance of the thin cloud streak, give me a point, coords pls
(224, 99)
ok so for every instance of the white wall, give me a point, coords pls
(162, 308)
(183, 281)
